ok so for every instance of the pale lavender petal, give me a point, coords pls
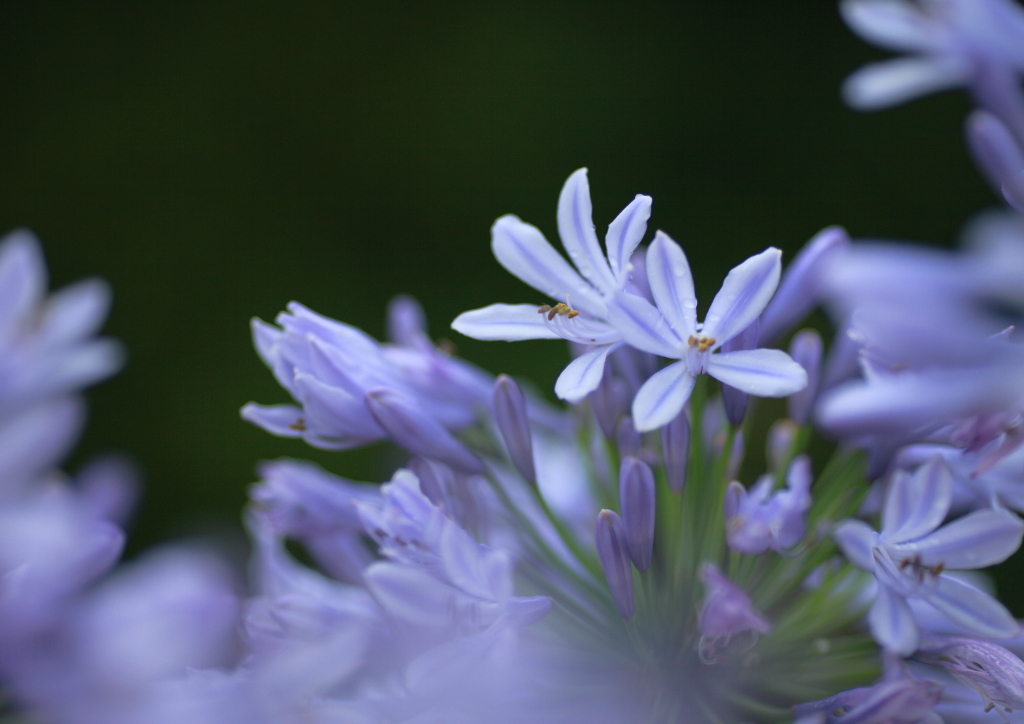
(411, 594)
(915, 505)
(802, 282)
(662, 397)
(671, 282)
(760, 372)
(626, 232)
(892, 24)
(576, 227)
(892, 623)
(971, 608)
(856, 539)
(523, 251)
(643, 326)
(997, 154)
(745, 293)
(880, 85)
(36, 438)
(22, 279)
(735, 401)
(265, 338)
(75, 312)
(417, 432)
(583, 375)
(280, 420)
(977, 540)
(504, 322)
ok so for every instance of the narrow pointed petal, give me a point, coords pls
(576, 227)
(977, 540)
(643, 326)
(760, 372)
(583, 375)
(22, 278)
(612, 549)
(856, 539)
(972, 608)
(504, 322)
(997, 154)
(662, 397)
(745, 293)
(801, 284)
(626, 232)
(892, 623)
(514, 425)
(891, 82)
(915, 505)
(406, 321)
(280, 420)
(806, 349)
(671, 282)
(675, 448)
(417, 432)
(523, 251)
(636, 500)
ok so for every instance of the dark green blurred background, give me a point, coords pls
(215, 160)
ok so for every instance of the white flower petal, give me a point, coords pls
(745, 293)
(671, 282)
(880, 85)
(761, 372)
(508, 322)
(583, 374)
(915, 505)
(626, 232)
(576, 227)
(642, 325)
(662, 397)
(523, 251)
(972, 608)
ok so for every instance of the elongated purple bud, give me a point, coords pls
(418, 433)
(510, 413)
(612, 549)
(800, 287)
(806, 349)
(739, 449)
(780, 439)
(627, 438)
(998, 156)
(637, 502)
(608, 402)
(675, 450)
(735, 402)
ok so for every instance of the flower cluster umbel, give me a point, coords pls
(622, 560)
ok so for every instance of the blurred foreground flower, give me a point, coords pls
(604, 563)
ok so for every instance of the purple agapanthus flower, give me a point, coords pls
(910, 556)
(581, 311)
(671, 330)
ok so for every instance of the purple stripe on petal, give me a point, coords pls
(668, 274)
(576, 227)
(746, 291)
(662, 397)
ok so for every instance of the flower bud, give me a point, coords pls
(727, 610)
(612, 549)
(637, 502)
(627, 438)
(806, 350)
(510, 414)
(675, 447)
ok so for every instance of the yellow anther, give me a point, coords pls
(544, 309)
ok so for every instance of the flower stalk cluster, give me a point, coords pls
(624, 557)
